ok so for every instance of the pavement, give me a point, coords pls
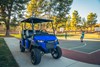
(23, 59)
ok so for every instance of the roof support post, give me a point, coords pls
(33, 27)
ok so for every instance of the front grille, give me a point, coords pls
(50, 44)
(50, 41)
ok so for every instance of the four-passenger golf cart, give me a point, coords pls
(38, 42)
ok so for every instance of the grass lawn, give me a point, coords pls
(16, 35)
(63, 35)
(6, 58)
(2, 35)
(69, 35)
(78, 35)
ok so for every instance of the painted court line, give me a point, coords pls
(76, 51)
(94, 51)
(82, 51)
(78, 46)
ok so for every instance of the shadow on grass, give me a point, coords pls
(6, 58)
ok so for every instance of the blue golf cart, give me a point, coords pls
(38, 42)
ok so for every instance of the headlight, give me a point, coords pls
(56, 40)
(40, 41)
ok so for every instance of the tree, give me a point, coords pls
(68, 26)
(76, 19)
(91, 19)
(59, 9)
(52, 8)
(34, 8)
(10, 8)
(84, 24)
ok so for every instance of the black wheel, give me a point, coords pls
(22, 48)
(56, 53)
(35, 56)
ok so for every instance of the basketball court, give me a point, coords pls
(88, 47)
(87, 51)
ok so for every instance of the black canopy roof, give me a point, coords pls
(36, 20)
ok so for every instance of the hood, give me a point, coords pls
(45, 37)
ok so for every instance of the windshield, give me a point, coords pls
(39, 29)
(40, 32)
(43, 28)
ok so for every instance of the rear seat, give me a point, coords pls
(29, 33)
(24, 34)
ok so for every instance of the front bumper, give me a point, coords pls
(50, 44)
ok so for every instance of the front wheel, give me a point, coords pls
(56, 53)
(22, 48)
(35, 56)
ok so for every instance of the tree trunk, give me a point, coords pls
(7, 26)
(9, 9)
(7, 33)
(7, 30)
(91, 28)
(53, 28)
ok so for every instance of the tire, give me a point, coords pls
(22, 49)
(35, 56)
(56, 53)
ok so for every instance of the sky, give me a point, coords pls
(84, 7)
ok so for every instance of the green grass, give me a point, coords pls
(63, 35)
(6, 58)
(2, 35)
(69, 35)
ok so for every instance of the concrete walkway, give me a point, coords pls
(23, 59)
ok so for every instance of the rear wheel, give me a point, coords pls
(22, 48)
(56, 53)
(35, 56)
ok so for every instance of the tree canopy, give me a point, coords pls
(91, 19)
(58, 10)
(10, 9)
